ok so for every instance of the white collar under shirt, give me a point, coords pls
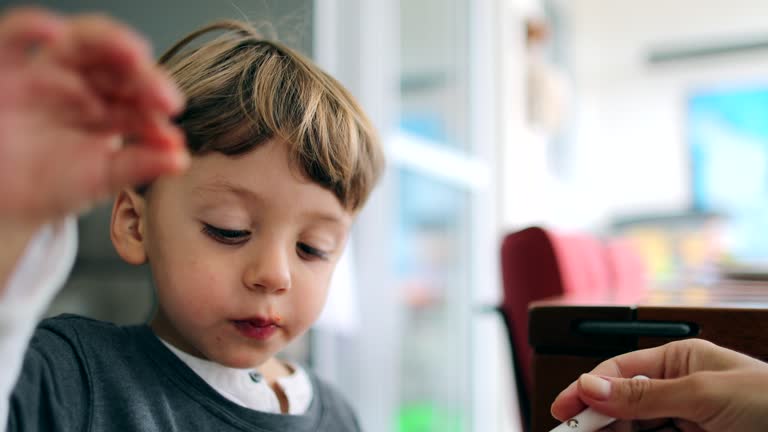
(248, 388)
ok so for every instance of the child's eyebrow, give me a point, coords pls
(325, 217)
(219, 186)
(226, 186)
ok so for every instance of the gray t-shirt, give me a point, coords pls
(81, 374)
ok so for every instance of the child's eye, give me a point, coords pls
(309, 252)
(226, 236)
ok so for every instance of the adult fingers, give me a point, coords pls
(150, 89)
(672, 360)
(118, 61)
(686, 398)
(567, 404)
(146, 129)
(135, 165)
(648, 362)
(59, 91)
(25, 29)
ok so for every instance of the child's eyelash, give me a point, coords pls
(311, 251)
(236, 237)
(226, 236)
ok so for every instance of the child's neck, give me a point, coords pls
(272, 370)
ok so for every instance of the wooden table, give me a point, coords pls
(572, 336)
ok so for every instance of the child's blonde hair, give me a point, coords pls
(243, 90)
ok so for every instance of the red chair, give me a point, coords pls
(629, 282)
(537, 264)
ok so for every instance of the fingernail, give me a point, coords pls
(595, 387)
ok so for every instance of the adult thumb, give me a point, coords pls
(645, 399)
(135, 165)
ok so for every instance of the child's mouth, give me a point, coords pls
(256, 328)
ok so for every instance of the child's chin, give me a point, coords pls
(241, 360)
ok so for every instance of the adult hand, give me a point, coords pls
(84, 112)
(694, 386)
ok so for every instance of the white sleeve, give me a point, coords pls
(40, 273)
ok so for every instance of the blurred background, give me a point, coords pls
(639, 120)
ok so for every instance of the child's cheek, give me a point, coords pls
(206, 280)
(310, 305)
(201, 285)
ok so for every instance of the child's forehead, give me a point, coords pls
(305, 198)
(231, 176)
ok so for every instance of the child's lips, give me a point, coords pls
(257, 328)
(258, 321)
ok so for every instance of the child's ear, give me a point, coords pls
(127, 226)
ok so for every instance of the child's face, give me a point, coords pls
(241, 250)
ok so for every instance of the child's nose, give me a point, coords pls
(269, 271)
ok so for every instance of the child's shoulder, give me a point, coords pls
(76, 332)
(71, 323)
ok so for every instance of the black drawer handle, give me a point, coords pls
(636, 328)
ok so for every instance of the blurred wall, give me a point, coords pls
(164, 22)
